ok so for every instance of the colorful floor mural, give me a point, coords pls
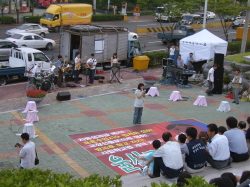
(117, 148)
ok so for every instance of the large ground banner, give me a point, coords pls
(117, 148)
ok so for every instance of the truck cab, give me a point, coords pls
(134, 48)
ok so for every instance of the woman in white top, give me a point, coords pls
(114, 64)
(140, 94)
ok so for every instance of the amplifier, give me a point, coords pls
(63, 96)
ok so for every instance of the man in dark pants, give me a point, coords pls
(58, 65)
(92, 64)
(210, 79)
(167, 158)
(76, 71)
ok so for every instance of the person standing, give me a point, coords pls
(167, 158)
(140, 94)
(58, 65)
(92, 63)
(210, 79)
(171, 52)
(237, 141)
(27, 152)
(237, 81)
(114, 64)
(179, 62)
(176, 54)
(195, 151)
(76, 71)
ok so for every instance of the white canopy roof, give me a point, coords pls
(203, 45)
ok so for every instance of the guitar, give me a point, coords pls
(88, 65)
(63, 68)
(78, 64)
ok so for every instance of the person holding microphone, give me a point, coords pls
(140, 94)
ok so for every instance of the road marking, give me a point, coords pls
(231, 32)
(55, 148)
(156, 50)
(146, 25)
(154, 42)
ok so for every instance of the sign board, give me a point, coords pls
(136, 11)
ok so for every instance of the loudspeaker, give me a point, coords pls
(219, 60)
(218, 81)
(63, 96)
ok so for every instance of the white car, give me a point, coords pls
(210, 15)
(32, 40)
(132, 35)
(29, 28)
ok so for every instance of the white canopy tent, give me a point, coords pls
(203, 45)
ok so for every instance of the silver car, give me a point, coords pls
(29, 28)
(5, 48)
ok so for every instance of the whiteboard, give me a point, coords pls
(99, 46)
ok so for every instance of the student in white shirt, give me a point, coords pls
(218, 154)
(171, 52)
(76, 71)
(92, 62)
(237, 81)
(210, 79)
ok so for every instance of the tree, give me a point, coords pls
(225, 9)
(3, 4)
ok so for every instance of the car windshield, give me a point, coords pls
(47, 16)
(22, 27)
(159, 10)
(16, 36)
(187, 18)
(40, 57)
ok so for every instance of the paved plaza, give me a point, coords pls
(106, 108)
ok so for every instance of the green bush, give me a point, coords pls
(103, 17)
(40, 178)
(7, 19)
(234, 47)
(31, 19)
(196, 181)
(156, 57)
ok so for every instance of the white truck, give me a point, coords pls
(21, 60)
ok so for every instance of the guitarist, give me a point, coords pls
(58, 65)
(76, 71)
(92, 63)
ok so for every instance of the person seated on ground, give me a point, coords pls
(248, 135)
(242, 126)
(167, 158)
(146, 157)
(222, 182)
(243, 177)
(182, 139)
(190, 66)
(190, 58)
(180, 62)
(204, 137)
(237, 142)
(195, 152)
(221, 130)
(230, 176)
(182, 178)
(218, 154)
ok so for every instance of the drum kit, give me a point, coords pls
(42, 80)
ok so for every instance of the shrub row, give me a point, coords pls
(234, 47)
(7, 20)
(101, 17)
(156, 57)
(31, 19)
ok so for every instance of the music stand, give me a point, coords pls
(86, 76)
(114, 72)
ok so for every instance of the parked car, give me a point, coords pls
(191, 19)
(29, 28)
(32, 40)
(231, 18)
(243, 12)
(210, 15)
(238, 23)
(5, 48)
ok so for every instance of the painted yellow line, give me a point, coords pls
(55, 148)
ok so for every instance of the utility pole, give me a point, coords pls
(205, 15)
(108, 5)
(94, 7)
(245, 32)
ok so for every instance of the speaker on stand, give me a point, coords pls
(218, 73)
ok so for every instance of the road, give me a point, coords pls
(148, 42)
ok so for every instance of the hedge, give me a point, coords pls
(7, 20)
(102, 17)
(31, 19)
(234, 47)
(156, 57)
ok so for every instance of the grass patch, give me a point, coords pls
(238, 58)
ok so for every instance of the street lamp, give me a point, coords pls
(205, 15)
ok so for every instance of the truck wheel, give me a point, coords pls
(57, 29)
(2, 81)
(42, 34)
(49, 46)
